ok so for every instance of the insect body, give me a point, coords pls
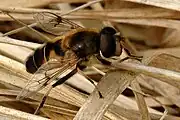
(82, 42)
(76, 45)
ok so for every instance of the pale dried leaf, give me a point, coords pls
(110, 86)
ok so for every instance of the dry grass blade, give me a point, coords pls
(162, 74)
(20, 54)
(174, 5)
(81, 7)
(26, 10)
(135, 115)
(167, 62)
(110, 86)
(146, 12)
(11, 41)
(18, 30)
(35, 3)
(7, 113)
(98, 14)
(152, 103)
(151, 22)
(140, 101)
(171, 63)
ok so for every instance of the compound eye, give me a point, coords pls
(108, 30)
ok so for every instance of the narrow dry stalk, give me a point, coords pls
(45, 38)
(162, 74)
(129, 13)
(81, 7)
(152, 103)
(57, 116)
(65, 13)
(35, 3)
(134, 114)
(174, 5)
(167, 23)
(143, 109)
(109, 14)
(15, 114)
(52, 108)
(18, 30)
(57, 107)
(20, 54)
(26, 10)
(20, 43)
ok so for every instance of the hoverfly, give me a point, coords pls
(74, 47)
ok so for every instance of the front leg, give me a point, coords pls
(130, 56)
(79, 68)
(103, 61)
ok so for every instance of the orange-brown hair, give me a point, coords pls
(67, 37)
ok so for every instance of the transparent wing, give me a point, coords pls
(46, 74)
(53, 23)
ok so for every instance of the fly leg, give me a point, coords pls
(103, 61)
(43, 101)
(130, 56)
(92, 82)
(59, 82)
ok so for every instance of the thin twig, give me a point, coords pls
(18, 29)
(68, 12)
(81, 7)
(20, 22)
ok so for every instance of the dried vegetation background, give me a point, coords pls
(146, 91)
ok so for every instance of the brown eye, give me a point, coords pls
(108, 30)
(107, 42)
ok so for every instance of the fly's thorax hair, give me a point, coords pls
(68, 36)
